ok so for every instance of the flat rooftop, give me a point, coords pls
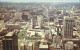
(43, 46)
(9, 34)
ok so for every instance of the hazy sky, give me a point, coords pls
(39, 0)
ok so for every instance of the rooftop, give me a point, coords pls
(9, 34)
(43, 46)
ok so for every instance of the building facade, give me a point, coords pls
(68, 27)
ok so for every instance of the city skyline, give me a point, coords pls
(39, 25)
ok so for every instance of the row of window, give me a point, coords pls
(7, 44)
(69, 20)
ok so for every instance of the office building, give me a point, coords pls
(56, 40)
(9, 41)
(68, 27)
(69, 46)
(40, 21)
(32, 24)
(22, 46)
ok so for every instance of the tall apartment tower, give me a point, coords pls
(68, 27)
(32, 24)
(40, 21)
(9, 41)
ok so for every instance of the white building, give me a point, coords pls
(40, 21)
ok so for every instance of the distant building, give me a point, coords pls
(57, 48)
(51, 47)
(7, 16)
(69, 46)
(76, 47)
(40, 21)
(2, 25)
(58, 26)
(77, 24)
(32, 23)
(36, 48)
(25, 16)
(51, 19)
(56, 40)
(30, 46)
(46, 36)
(23, 47)
(1, 45)
(68, 27)
(11, 27)
(43, 47)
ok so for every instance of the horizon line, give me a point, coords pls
(38, 2)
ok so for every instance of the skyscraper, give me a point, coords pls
(40, 21)
(68, 27)
(9, 41)
(33, 22)
(32, 25)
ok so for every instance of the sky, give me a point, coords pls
(39, 0)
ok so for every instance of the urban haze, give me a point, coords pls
(39, 25)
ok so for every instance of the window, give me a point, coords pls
(7, 44)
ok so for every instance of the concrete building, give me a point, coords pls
(22, 46)
(58, 26)
(7, 16)
(11, 27)
(51, 47)
(40, 21)
(68, 27)
(25, 16)
(56, 40)
(43, 47)
(69, 46)
(77, 23)
(2, 25)
(46, 36)
(19, 16)
(9, 41)
(36, 48)
(30, 46)
(76, 47)
(32, 24)
(1, 45)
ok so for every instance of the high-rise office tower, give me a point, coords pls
(68, 27)
(40, 21)
(45, 13)
(9, 41)
(69, 45)
(32, 25)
